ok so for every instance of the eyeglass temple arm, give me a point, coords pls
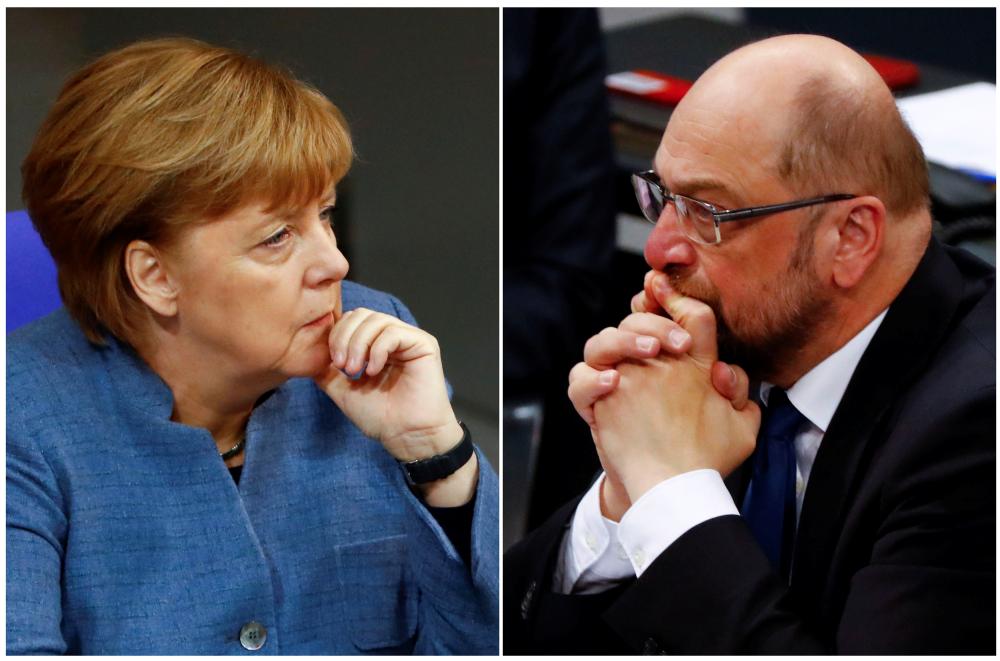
(753, 212)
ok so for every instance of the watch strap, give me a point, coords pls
(442, 465)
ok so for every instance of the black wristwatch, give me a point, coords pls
(440, 466)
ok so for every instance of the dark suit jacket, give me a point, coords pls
(895, 550)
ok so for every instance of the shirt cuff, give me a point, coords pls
(592, 558)
(669, 510)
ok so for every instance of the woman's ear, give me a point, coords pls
(860, 232)
(150, 279)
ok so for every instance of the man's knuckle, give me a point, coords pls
(603, 336)
(701, 312)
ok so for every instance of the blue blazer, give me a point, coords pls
(126, 533)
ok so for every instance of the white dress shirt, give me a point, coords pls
(597, 554)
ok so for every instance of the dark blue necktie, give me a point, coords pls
(769, 505)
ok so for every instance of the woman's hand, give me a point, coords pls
(396, 394)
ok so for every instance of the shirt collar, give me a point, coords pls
(817, 394)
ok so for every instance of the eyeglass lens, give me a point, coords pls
(650, 198)
(695, 221)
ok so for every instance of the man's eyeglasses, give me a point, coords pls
(700, 220)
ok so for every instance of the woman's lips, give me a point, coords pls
(320, 321)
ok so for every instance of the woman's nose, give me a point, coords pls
(329, 265)
(667, 244)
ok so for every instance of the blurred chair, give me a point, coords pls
(32, 290)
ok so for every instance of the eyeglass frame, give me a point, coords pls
(729, 215)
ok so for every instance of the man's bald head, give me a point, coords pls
(822, 115)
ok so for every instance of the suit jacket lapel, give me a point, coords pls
(915, 324)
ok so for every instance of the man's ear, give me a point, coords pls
(860, 232)
(150, 279)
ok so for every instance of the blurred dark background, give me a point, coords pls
(958, 39)
(417, 215)
(962, 39)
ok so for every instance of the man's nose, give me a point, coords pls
(328, 265)
(667, 244)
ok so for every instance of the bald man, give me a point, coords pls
(845, 503)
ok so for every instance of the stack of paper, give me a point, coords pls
(957, 127)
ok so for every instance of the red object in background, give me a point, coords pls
(895, 73)
(648, 85)
(668, 90)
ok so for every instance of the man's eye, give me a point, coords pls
(278, 237)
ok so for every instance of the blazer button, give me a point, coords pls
(650, 646)
(529, 596)
(253, 635)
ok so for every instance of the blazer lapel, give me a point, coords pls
(915, 324)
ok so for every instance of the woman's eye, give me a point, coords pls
(327, 214)
(278, 237)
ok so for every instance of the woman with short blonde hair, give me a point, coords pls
(190, 456)
(160, 134)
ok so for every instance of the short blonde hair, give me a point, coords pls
(157, 135)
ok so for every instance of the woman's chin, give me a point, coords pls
(311, 362)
